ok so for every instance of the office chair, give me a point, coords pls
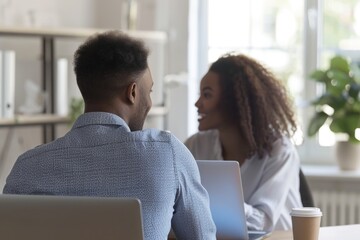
(305, 191)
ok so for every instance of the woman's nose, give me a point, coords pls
(197, 103)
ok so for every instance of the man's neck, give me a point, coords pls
(119, 110)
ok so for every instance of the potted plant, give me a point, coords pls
(339, 106)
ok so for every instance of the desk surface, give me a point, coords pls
(346, 232)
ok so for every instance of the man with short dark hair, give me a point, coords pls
(106, 153)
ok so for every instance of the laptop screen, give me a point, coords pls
(222, 180)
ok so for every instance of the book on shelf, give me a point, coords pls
(8, 84)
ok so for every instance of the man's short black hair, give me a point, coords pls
(107, 62)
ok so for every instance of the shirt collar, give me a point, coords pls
(99, 118)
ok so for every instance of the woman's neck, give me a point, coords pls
(233, 145)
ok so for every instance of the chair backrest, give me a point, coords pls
(33, 217)
(305, 191)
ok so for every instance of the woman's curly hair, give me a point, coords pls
(259, 101)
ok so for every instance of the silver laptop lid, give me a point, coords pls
(222, 180)
(72, 218)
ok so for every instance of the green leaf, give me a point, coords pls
(354, 90)
(340, 63)
(339, 78)
(339, 81)
(346, 124)
(353, 139)
(334, 89)
(339, 102)
(356, 107)
(316, 122)
(319, 76)
(342, 95)
(338, 126)
(335, 102)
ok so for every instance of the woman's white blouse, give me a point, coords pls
(270, 184)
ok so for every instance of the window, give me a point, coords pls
(292, 38)
(268, 30)
(340, 34)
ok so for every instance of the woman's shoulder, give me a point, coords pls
(284, 150)
(282, 144)
(204, 145)
(202, 136)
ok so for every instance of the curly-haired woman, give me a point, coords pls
(246, 115)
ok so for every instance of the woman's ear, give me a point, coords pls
(131, 92)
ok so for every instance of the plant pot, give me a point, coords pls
(348, 155)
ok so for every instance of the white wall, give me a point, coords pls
(66, 13)
(172, 17)
(152, 15)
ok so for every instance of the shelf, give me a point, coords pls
(329, 172)
(49, 119)
(77, 33)
(36, 119)
(48, 37)
(330, 179)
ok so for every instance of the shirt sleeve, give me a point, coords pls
(192, 217)
(256, 219)
(279, 175)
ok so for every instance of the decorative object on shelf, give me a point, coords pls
(339, 107)
(8, 84)
(34, 99)
(61, 95)
(129, 14)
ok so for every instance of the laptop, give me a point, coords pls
(33, 217)
(222, 180)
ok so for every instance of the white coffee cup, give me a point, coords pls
(306, 223)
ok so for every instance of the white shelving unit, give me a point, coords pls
(48, 37)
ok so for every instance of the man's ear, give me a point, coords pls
(131, 92)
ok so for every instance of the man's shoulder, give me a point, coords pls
(155, 136)
(152, 134)
(36, 150)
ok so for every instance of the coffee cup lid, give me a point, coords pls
(306, 212)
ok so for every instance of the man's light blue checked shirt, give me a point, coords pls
(100, 156)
